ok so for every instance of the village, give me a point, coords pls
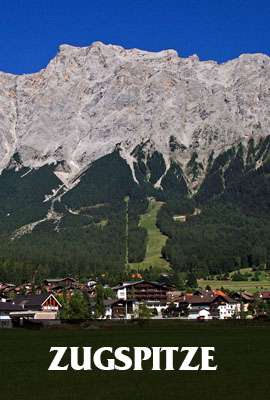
(58, 300)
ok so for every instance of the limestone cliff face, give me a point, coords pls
(89, 101)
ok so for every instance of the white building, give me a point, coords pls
(228, 309)
(199, 313)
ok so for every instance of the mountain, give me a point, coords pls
(86, 141)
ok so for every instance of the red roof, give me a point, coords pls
(265, 295)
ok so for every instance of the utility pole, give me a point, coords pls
(126, 199)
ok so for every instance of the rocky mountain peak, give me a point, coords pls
(90, 100)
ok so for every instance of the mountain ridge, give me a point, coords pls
(89, 101)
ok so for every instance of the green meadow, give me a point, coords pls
(242, 355)
(248, 286)
(155, 240)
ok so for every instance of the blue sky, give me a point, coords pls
(32, 30)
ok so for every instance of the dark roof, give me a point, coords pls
(5, 285)
(243, 296)
(56, 280)
(197, 299)
(247, 296)
(9, 306)
(61, 287)
(110, 302)
(123, 285)
(31, 300)
(207, 298)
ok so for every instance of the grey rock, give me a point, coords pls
(90, 100)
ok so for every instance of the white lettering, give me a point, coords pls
(141, 354)
(206, 358)
(74, 353)
(97, 359)
(120, 356)
(185, 366)
(169, 357)
(125, 358)
(54, 366)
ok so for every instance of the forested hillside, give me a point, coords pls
(96, 226)
(232, 230)
(90, 228)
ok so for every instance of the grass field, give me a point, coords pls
(155, 242)
(242, 355)
(248, 286)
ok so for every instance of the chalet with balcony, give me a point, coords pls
(245, 299)
(67, 282)
(218, 304)
(122, 309)
(43, 306)
(152, 294)
(142, 291)
(117, 308)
